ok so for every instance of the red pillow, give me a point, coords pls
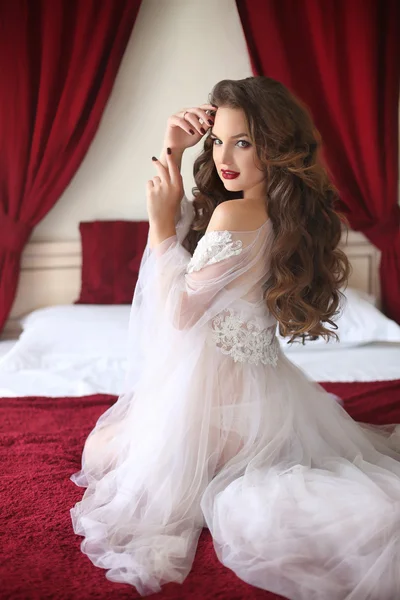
(111, 256)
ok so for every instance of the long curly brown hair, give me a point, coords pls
(307, 267)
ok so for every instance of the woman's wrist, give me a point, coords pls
(159, 232)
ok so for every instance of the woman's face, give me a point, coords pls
(233, 151)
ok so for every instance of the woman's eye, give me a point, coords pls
(246, 144)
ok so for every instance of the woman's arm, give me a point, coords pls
(183, 131)
(225, 265)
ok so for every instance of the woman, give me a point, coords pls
(216, 428)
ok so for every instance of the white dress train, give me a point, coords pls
(217, 428)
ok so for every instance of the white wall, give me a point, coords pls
(177, 52)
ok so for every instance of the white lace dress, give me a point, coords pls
(216, 428)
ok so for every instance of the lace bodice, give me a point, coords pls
(243, 339)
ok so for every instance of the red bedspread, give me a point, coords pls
(41, 441)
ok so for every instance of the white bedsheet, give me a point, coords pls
(373, 362)
(61, 376)
(72, 375)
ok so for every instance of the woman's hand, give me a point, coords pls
(164, 193)
(185, 132)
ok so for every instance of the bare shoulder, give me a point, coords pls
(237, 215)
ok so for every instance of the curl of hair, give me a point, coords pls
(307, 268)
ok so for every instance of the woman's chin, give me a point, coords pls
(231, 184)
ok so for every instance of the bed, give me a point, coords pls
(62, 365)
(69, 349)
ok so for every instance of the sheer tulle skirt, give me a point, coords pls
(300, 499)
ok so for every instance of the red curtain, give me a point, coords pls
(343, 60)
(58, 63)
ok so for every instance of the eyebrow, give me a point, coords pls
(233, 136)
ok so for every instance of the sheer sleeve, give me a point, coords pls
(184, 218)
(225, 266)
(177, 294)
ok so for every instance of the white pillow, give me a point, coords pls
(78, 329)
(73, 350)
(90, 330)
(359, 323)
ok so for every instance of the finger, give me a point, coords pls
(183, 124)
(205, 118)
(202, 120)
(156, 180)
(193, 119)
(173, 170)
(203, 107)
(162, 171)
(208, 106)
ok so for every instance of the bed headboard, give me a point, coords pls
(51, 274)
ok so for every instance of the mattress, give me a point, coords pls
(69, 374)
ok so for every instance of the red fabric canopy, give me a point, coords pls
(343, 60)
(58, 62)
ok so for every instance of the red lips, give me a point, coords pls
(230, 174)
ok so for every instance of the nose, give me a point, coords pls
(225, 157)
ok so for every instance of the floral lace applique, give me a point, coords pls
(245, 341)
(213, 247)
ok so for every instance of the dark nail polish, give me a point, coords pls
(202, 130)
(168, 150)
(191, 131)
(210, 122)
(153, 158)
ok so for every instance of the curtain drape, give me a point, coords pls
(343, 60)
(58, 63)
